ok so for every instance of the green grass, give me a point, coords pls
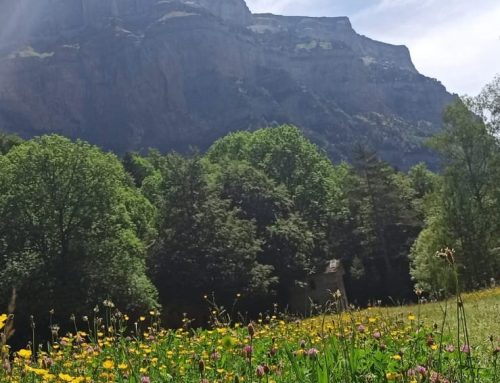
(402, 344)
(482, 310)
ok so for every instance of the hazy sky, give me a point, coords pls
(455, 41)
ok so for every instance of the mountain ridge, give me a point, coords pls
(129, 74)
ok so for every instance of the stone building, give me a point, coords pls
(319, 289)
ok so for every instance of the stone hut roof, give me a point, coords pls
(334, 266)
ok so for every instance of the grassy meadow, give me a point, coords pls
(404, 344)
(482, 310)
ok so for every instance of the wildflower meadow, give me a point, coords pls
(427, 342)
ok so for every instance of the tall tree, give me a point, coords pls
(386, 225)
(8, 141)
(72, 231)
(426, 269)
(287, 241)
(487, 106)
(137, 166)
(471, 172)
(204, 245)
(285, 156)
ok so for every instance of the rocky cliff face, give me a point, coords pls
(128, 74)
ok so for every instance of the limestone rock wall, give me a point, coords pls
(129, 74)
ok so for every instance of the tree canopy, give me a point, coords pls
(256, 215)
(72, 229)
(463, 212)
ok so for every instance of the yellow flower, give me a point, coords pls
(65, 377)
(108, 364)
(122, 366)
(24, 353)
(3, 319)
(392, 376)
(396, 357)
(411, 317)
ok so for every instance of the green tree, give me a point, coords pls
(291, 160)
(8, 141)
(72, 231)
(287, 241)
(295, 195)
(385, 226)
(423, 183)
(426, 268)
(138, 167)
(256, 195)
(204, 245)
(314, 185)
(487, 105)
(471, 172)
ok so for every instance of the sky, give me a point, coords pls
(454, 41)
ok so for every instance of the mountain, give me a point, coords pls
(130, 74)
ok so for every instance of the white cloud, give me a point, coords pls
(465, 55)
(455, 41)
(306, 7)
(277, 6)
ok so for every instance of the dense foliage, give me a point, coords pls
(384, 225)
(463, 212)
(73, 229)
(203, 245)
(256, 215)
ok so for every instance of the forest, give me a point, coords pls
(253, 216)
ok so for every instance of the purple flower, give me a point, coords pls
(377, 334)
(411, 372)
(247, 351)
(273, 351)
(215, 356)
(260, 371)
(145, 379)
(361, 328)
(449, 348)
(465, 349)
(437, 378)
(312, 353)
(6, 365)
(47, 362)
(421, 370)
